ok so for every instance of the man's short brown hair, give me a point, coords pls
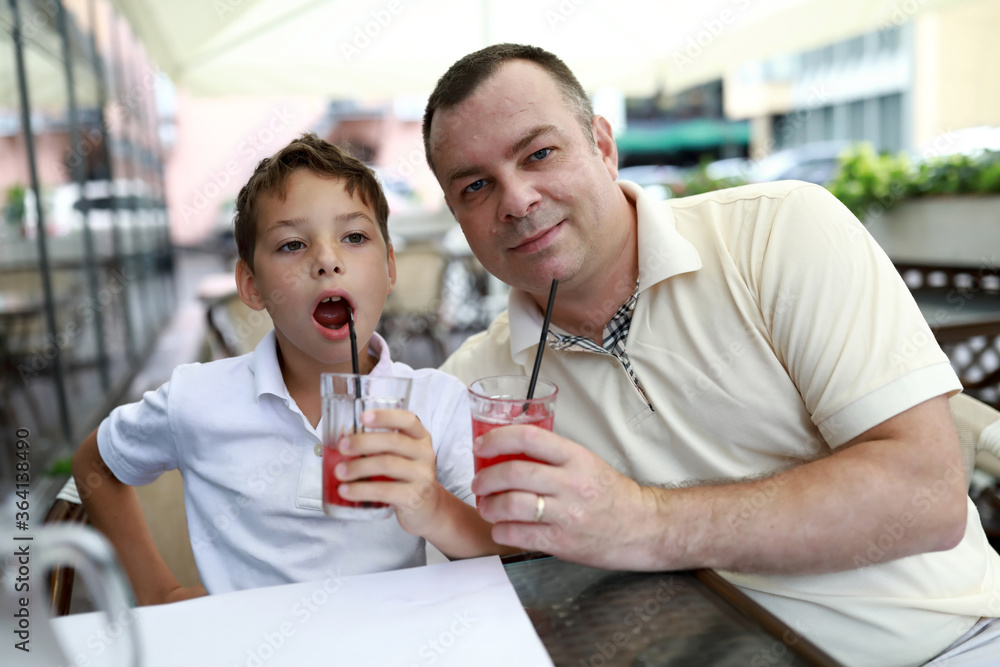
(465, 76)
(321, 158)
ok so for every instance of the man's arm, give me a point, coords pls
(114, 510)
(900, 486)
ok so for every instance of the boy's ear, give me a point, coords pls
(247, 286)
(392, 270)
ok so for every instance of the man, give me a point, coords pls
(749, 362)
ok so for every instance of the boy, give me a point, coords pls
(311, 230)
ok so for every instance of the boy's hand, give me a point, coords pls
(406, 455)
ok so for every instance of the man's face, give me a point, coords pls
(533, 196)
(318, 250)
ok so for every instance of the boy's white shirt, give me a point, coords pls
(252, 473)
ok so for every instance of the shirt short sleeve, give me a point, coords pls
(842, 320)
(136, 440)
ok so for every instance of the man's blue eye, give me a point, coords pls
(477, 186)
(541, 154)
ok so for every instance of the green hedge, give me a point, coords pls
(869, 183)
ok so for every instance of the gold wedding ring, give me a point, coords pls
(539, 508)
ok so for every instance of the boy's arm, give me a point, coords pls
(455, 528)
(423, 506)
(113, 508)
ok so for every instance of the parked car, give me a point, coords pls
(815, 163)
(730, 169)
(659, 181)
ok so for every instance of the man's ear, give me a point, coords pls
(606, 146)
(392, 270)
(247, 286)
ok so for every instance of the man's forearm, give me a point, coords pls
(873, 502)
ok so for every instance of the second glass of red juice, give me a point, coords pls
(502, 400)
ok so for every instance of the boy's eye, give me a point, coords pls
(540, 154)
(356, 237)
(476, 187)
(292, 246)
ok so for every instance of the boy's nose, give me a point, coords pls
(326, 261)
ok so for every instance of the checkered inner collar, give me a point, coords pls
(615, 335)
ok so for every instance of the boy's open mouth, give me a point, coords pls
(331, 312)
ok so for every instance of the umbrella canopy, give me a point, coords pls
(383, 48)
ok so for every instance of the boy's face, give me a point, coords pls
(318, 250)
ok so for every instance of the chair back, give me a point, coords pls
(978, 427)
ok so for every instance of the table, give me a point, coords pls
(587, 617)
(460, 613)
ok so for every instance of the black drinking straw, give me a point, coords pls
(541, 342)
(355, 366)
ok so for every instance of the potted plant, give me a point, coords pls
(944, 210)
(14, 206)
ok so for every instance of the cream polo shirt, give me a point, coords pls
(770, 329)
(252, 475)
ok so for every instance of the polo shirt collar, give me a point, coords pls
(663, 254)
(267, 371)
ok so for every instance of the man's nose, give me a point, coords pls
(519, 197)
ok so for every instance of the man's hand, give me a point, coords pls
(590, 512)
(900, 485)
(406, 455)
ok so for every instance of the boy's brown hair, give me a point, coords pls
(321, 158)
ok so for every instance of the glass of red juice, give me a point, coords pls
(500, 401)
(345, 396)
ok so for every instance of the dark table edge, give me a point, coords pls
(773, 625)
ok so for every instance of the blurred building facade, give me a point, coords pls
(899, 87)
(86, 269)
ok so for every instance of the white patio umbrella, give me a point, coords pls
(382, 48)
